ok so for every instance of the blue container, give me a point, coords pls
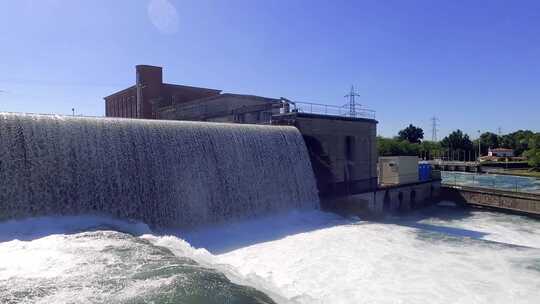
(424, 172)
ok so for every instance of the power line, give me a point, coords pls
(434, 125)
(44, 82)
(352, 101)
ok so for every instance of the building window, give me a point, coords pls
(239, 118)
(121, 107)
(132, 106)
(266, 117)
(350, 142)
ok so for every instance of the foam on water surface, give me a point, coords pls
(231, 188)
(435, 256)
(106, 266)
(439, 255)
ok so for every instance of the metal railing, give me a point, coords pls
(286, 106)
(325, 109)
(479, 181)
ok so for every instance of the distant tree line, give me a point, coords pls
(459, 146)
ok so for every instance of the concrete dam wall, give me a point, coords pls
(166, 173)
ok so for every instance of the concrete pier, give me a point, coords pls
(525, 203)
(456, 166)
(389, 199)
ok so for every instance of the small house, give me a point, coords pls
(501, 152)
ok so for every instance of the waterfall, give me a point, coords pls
(165, 173)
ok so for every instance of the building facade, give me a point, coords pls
(342, 147)
(343, 150)
(501, 152)
(232, 108)
(137, 101)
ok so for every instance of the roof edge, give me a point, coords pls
(192, 87)
(120, 92)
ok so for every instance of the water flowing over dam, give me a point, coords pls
(165, 173)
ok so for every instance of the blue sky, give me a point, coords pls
(473, 64)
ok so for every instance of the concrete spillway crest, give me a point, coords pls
(162, 172)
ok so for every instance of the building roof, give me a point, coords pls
(121, 91)
(169, 86)
(501, 150)
(184, 87)
(324, 116)
(241, 96)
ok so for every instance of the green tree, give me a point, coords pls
(457, 140)
(520, 141)
(458, 145)
(533, 154)
(488, 140)
(411, 134)
(395, 146)
(507, 141)
(430, 149)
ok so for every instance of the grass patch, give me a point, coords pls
(521, 172)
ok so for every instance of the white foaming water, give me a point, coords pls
(165, 173)
(190, 174)
(442, 255)
(83, 259)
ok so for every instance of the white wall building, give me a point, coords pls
(501, 152)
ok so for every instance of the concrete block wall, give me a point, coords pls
(332, 133)
(388, 200)
(527, 203)
(219, 108)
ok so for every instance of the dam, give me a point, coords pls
(84, 203)
(165, 173)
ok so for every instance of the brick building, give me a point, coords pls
(342, 148)
(137, 101)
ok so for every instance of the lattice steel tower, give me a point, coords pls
(434, 125)
(352, 101)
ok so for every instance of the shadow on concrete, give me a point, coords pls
(219, 238)
(32, 228)
(438, 213)
(460, 232)
(227, 237)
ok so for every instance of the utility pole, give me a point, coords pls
(352, 101)
(479, 146)
(434, 124)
